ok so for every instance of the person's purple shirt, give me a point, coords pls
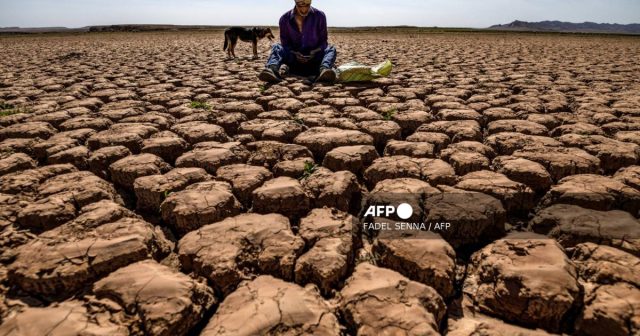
(314, 31)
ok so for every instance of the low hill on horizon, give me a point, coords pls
(569, 27)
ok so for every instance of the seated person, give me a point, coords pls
(304, 46)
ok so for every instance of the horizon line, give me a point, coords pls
(385, 26)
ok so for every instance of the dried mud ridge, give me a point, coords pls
(152, 189)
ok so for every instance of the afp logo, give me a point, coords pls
(404, 211)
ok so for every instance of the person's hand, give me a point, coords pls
(301, 58)
(313, 53)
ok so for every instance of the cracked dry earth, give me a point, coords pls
(128, 210)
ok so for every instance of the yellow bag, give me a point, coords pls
(356, 72)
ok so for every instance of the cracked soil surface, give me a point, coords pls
(150, 187)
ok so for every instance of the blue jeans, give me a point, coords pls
(281, 55)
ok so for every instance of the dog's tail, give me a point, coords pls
(226, 41)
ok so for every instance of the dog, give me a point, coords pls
(253, 35)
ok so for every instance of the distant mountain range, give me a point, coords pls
(568, 27)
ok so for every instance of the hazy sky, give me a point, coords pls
(442, 13)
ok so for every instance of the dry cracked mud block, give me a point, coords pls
(275, 115)
(16, 162)
(127, 135)
(268, 129)
(459, 114)
(594, 192)
(382, 131)
(332, 238)
(517, 126)
(232, 250)
(378, 301)
(46, 149)
(420, 256)
(465, 162)
(274, 307)
(196, 131)
(606, 265)
(459, 130)
(270, 153)
(612, 297)
(26, 182)
(166, 145)
(36, 129)
(438, 140)
(94, 215)
(316, 116)
(613, 154)
(516, 197)
(474, 217)
(101, 159)
(408, 148)
(19, 146)
(117, 114)
(469, 146)
(283, 195)
(60, 198)
(159, 120)
(610, 310)
(244, 179)
(360, 113)
(629, 176)
(248, 108)
(84, 121)
(571, 225)
(293, 168)
(524, 278)
(71, 256)
(561, 162)
(580, 128)
(288, 104)
(339, 190)
(152, 190)
(10, 205)
(434, 171)
(352, 158)
(124, 172)
(409, 121)
(509, 142)
(230, 122)
(164, 301)
(76, 156)
(66, 318)
(199, 204)
(480, 325)
(398, 191)
(212, 155)
(527, 172)
(321, 140)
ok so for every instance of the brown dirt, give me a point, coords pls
(151, 187)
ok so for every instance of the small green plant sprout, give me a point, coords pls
(8, 109)
(263, 88)
(309, 168)
(299, 121)
(387, 115)
(167, 193)
(200, 105)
